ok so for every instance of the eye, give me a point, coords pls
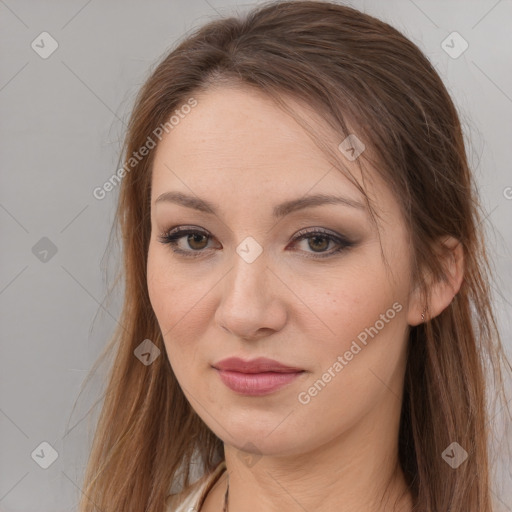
(319, 239)
(192, 242)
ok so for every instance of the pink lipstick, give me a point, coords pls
(255, 377)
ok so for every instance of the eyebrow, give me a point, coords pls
(279, 211)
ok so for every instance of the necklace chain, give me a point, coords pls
(225, 509)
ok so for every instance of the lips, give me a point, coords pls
(256, 377)
(258, 365)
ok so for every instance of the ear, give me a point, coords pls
(442, 292)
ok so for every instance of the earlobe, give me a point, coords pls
(442, 292)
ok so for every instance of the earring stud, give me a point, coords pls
(423, 314)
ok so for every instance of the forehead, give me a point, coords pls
(238, 141)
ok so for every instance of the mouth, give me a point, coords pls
(256, 377)
(256, 384)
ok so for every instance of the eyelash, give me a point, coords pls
(172, 236)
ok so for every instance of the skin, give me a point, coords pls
(339, 451)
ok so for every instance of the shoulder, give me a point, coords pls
(186, 501)
(190, 499)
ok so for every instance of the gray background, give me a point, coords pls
(61, 125)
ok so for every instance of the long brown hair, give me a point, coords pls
(348, 66)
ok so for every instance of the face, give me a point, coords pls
(240, 270)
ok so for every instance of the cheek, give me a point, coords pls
(358, 316)
(173, 291)
(167, 299)
(178, 299)
(340, 305)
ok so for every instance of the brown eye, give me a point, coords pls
(318, 243)
(197, 241)
(186, 241)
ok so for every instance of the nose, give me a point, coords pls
(252, 303)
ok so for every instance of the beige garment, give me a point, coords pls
(192, 498)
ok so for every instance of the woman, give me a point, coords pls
(307, 310)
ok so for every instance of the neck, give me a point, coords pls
(278, 488)
(349, 473)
